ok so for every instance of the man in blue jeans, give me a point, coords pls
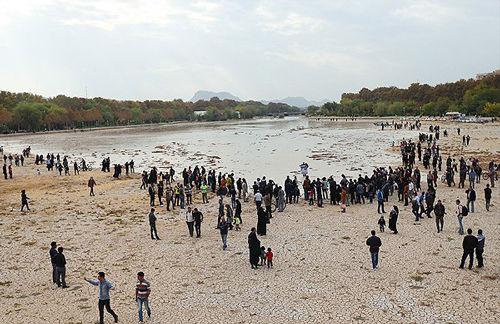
(104, 287)
(375, 243)
(142, 291)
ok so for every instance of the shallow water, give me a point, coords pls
(251, 148)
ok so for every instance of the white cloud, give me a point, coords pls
(112, 13)
(320, 58)
(427, 11)
(290, 24)
(108, 14)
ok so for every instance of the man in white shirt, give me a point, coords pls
(258, 199)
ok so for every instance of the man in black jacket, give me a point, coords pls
(375, 243)
(198, 218)
(60, 262)
(53, 253)
(152, 224)
(469, 244)
(439, 211)
(471, 197)
(487, 196)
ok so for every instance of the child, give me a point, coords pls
(269, 256)
(381, 223)
(311, 197)
(237, 222)
(262, 256)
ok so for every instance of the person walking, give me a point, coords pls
(152, 224)
(469, 244)
(142, 291)
(53, 253)
(439, 211)
(24, 200)
(487, 196)
(254, 248)
(152, 194)
(198, 219)
(480, 248)
(190, 221)
(380, 199)
(471, 198)
(223, 227)
(104, 299)
(60, 262)
(374, 243)
(91, 184)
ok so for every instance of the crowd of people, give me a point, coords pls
(406, 180)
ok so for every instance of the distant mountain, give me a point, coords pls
(300, 102)
(207, 95)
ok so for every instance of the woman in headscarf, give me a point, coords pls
(254, 247)
(393, 219)
(237, 211)
(261, 221)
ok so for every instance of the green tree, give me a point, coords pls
(29, 116)
(492, 109)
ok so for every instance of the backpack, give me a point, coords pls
(465, 211)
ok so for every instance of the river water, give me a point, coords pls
(251, 148)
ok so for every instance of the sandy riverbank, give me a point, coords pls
(322, 268)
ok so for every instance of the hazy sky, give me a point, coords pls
(149, 49)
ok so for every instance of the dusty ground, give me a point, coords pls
(322, 266)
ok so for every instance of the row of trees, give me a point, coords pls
(472, 97)
(25, 111)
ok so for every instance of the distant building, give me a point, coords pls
(454, 115)
(485, 75)
(200, 112)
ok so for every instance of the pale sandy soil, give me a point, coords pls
(322, 266)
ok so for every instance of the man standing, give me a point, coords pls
(375, 243)
(142, 291)
(198, 218)
(439, 211)
(60, 262)
(380, 199)
(53, 253)
(258, 199)
(487, 196)
(104, 287)
(204, 190)
(480, 248)
(469, 244)
(471, 197)
(190, 221)
(223, 227)
(91, 185)
(152, 224)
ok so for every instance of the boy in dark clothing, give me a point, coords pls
(60, 262)
(469, 244)
(381, 223)
(24, 200)
(375, 243)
